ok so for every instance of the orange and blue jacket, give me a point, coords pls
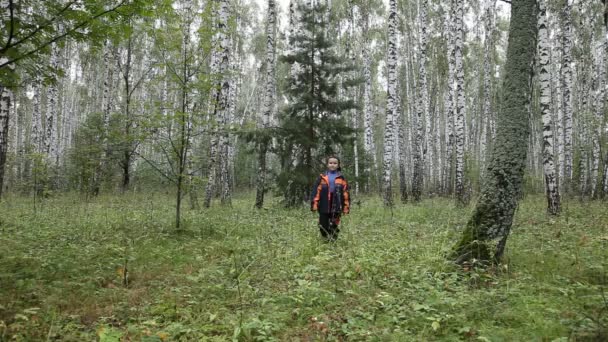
(335, 202)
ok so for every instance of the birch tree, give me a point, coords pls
(566, 83)
(551, 189)
(391, 105)
(460, 102)
(368, 142)
(5, 108)
(449, 99)
(599, 84)
(487, 82)
(219, 97)
(268, 101)
(421, 108)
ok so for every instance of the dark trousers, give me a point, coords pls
(328, 225)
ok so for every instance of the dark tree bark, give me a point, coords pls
(5, 106)
(486, 232)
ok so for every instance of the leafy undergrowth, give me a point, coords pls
(114, 269)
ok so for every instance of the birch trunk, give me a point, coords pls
(566, 77)
(106, 107)
(460, 102)
(51, 110)
(36, 133)
(268, 102)
(427, 150)
(369, 145)
(421, 108)
(449, 99)
(558, 107)
(220, 98)
(5, 108)
(391, 104)
(551, 188)
(600, 84)
(487, 83)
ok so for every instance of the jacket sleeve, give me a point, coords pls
(346, 206)
(316, 195)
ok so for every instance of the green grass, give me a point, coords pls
(266, 275)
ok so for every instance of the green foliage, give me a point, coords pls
(87, 154)
(251, 275)
(36, 24)
(313, 122)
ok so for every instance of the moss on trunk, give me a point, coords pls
(501, 189)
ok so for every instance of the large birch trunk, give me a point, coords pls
(268, 102)
(487, 84)
(421, 108)
(551, 189)
(391, 105)
(460, 103)
(449, 99)
(220, 98)
(368, 118)
(566, 77)
(599, 98)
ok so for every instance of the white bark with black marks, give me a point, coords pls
(551, 188)
(268, 101)
(391, 106)
(460, 102)
(421, 107)
(220, 103)
(5, 111)
(566, 80)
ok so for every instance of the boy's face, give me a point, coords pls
(332, 164)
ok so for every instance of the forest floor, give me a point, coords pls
(248, 275)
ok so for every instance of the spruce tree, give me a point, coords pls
(312, 124)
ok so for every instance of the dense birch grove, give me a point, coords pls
(223, 96)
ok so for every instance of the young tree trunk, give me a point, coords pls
(36, 133)
(127, 149)
(268, 103)
(5, 108)
(551, 189)
(460, 103)
(51, 110)
(391, 106)
(106, 107)
(421, 108)
(493, 214)
(402, 143)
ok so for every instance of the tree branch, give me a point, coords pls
(63, 35)
(155, 167)
(38, 28)
(12, 31)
